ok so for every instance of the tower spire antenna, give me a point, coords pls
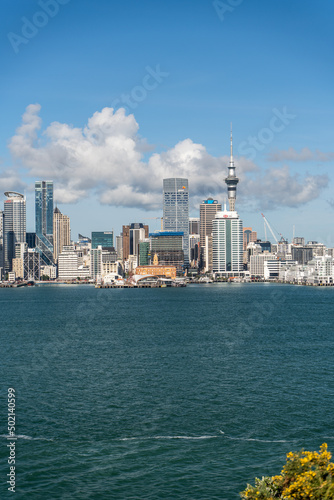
(231, 144)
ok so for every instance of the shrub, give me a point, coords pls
(306, 475)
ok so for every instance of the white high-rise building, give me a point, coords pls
(227, 244)
(96, 262)
(14, 225)
(227, 232)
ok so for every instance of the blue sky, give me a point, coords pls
(246, 62)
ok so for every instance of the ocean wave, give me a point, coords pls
(167, 437)
(255, 439)
(28, 438)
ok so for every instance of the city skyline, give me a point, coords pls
(172, 105)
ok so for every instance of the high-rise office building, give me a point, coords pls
(227, 232)
(207, 212)
(137, 234)
(96, 262)
(44, 207)
(44, 220)
(105, 239)
(176, 210)
(119, 247)
(144, 252)
(132, 235)
(1, 243)
(14, 225)
(61, 233)
(227, 244)
(168, 247)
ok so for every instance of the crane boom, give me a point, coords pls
(272, 232)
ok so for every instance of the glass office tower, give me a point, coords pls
(176, 210)
(44, 220)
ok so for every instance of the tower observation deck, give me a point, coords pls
(231, 181)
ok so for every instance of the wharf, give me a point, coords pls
(142, 285)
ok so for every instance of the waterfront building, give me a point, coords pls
(11, 276)
(32, 265)
(44, 220)
(111, 268)
(227, 232)
(157, 270)
(14, 225)
(176, 210)
(105, 239)
(227, 244)
(319, 249)
(96, 262)
(168, 247)
(61, 233)
(256, 264)
(144, 252)
(272, 267)
(49, 271)
(301, 254)
(17, 267)
(69, 267)
(318, 271)
(67, 263)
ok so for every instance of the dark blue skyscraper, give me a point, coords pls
(44, 207)
(44, 220)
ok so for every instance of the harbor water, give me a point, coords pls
(173, 393)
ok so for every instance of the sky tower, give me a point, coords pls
(231, 181)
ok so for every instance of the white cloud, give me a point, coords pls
(278, 187)
(305, 154)
(107, 157)
(10, 180)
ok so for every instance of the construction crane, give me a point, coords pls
(266, 223)
(156, 218)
